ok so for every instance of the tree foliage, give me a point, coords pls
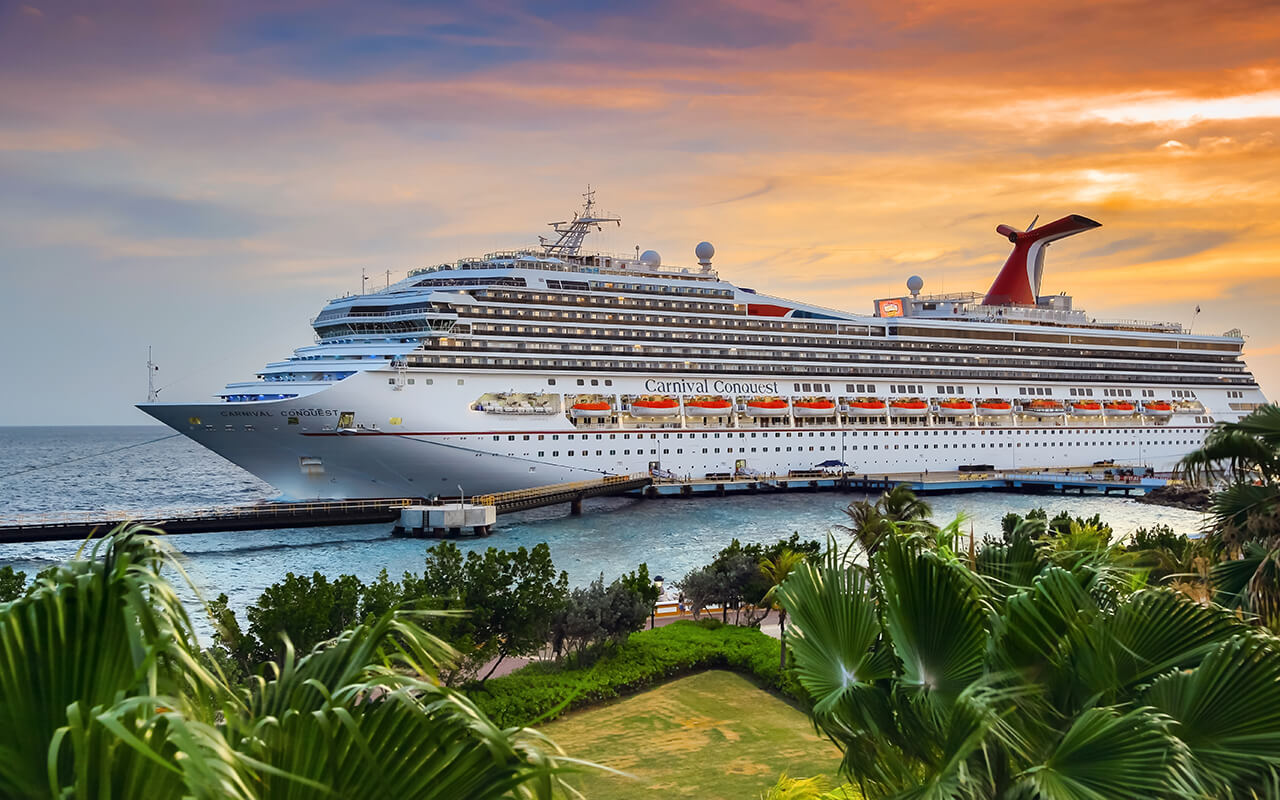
(498, 604)
(733, 579)
(1029, 676)
(597, 614)
(502, 602)
(103, 693)
(1242, 459)
(12, 584)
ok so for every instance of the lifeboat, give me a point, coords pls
(866, 407)
(1118, 408)
(1086, 408)
(995, 408)
(591, 407)
(651, 405)
(517, 403)
(708, 406)
(813, 407)
(766, 407)
(955, 407)
(1043, 408)
(1157, 408)
(908, 407)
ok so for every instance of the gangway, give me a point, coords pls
(572, 493)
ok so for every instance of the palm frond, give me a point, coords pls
(1247, 511)
(833, 628)
(1227, 712)
(935, 618)
(88, 634)
(1106, 755)
(417, 740)
(1251, 445)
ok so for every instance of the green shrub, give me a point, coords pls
(543, 690)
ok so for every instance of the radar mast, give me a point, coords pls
(573, 231)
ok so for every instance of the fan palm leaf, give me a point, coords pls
(103, 695)
(1107, 754)
(418, 741)
(833, 629)
(934, 617)
(1227, 713)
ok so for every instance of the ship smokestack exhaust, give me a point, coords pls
(1019, 281)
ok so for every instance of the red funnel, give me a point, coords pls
(1019, 282)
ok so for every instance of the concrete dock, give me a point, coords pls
(1073, 481)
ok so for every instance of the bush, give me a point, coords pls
(12, 584)
(542, 691)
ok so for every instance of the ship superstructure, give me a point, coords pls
(530, 367)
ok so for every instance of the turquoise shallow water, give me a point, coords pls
(613, 535)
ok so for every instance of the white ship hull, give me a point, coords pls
(441, 444)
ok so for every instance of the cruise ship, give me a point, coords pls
(551, 364)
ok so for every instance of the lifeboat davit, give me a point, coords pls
(1157, 408)
(866, 407)
(1044, 408)
(955, 408)
(995, 408)
(766, 407)
(591, 407)
(655, 406)
(813, 407)
(708, 407)
(1120, 409)
(910, 407)
(1086, 408)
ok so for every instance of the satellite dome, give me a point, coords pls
(650, 258)
(704, 251)
(914, 284)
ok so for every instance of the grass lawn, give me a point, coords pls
(710, 735)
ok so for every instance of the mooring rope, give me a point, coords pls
(83, 458)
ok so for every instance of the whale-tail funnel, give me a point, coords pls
(1019, 281)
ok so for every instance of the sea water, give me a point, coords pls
(143, 468)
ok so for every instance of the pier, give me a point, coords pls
(478, 515)
(1080, 481)
(265, 516)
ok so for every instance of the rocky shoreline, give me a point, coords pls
(1192, 498)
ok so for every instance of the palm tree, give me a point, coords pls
(870, 523)
(105, 693)
(1244, 459)
(1023, 679)
(776, 572)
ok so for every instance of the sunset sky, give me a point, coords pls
(201, 178)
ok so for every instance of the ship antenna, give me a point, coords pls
(573, 231)
(153, 394)
(1033, 222)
